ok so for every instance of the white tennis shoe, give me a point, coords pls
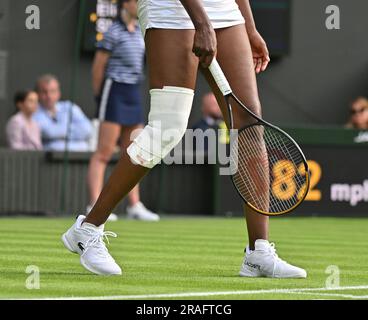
(264, 262)
(140, 212)
(88, 241)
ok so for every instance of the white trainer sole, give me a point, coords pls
(249, 274)
(290, 277)
(92, 270)
(245, 273)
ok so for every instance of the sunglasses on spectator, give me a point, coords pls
(356, 111)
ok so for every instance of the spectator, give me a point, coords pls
(53, 117)
(359, 114)
(22, 132)
(211, 119)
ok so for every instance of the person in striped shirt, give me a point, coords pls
(117, 74)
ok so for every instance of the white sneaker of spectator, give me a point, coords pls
(112, 217)
(140, 212)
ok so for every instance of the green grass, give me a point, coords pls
(183, 255)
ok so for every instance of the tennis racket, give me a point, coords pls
(268, 168)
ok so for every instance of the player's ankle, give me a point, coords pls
(92, 222)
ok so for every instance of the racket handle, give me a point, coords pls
(220, 78)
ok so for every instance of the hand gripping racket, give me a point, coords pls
(268, 168)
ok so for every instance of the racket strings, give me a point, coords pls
(268, 169)
(251, 194)
(249, 178)
(288, 172)
(293, 154)
(291, 161)
(257, 166)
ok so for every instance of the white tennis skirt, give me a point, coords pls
(170, 14)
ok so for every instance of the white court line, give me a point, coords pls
(341, 295)
(220, 293)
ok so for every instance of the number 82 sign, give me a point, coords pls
(284, 180)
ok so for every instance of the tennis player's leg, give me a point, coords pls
(173, 72)
(235, 57)
(136, 209)
(171, 63)
(125, 141)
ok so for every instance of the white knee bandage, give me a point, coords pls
(167, 122)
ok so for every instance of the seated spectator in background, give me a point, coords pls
(211, 118)
(359, 114)
(53, 118)
(22, 131)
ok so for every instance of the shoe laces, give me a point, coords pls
(97, 241)
(272, 250)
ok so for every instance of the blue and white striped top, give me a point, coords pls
(127, 53)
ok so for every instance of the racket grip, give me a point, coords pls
(220, 78)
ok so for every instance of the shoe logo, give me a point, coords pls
(80, 245)
(254, 266)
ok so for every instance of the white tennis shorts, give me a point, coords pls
(170, 14)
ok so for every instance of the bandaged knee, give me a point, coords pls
(167, 123)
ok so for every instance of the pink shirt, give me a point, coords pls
(23, 133)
